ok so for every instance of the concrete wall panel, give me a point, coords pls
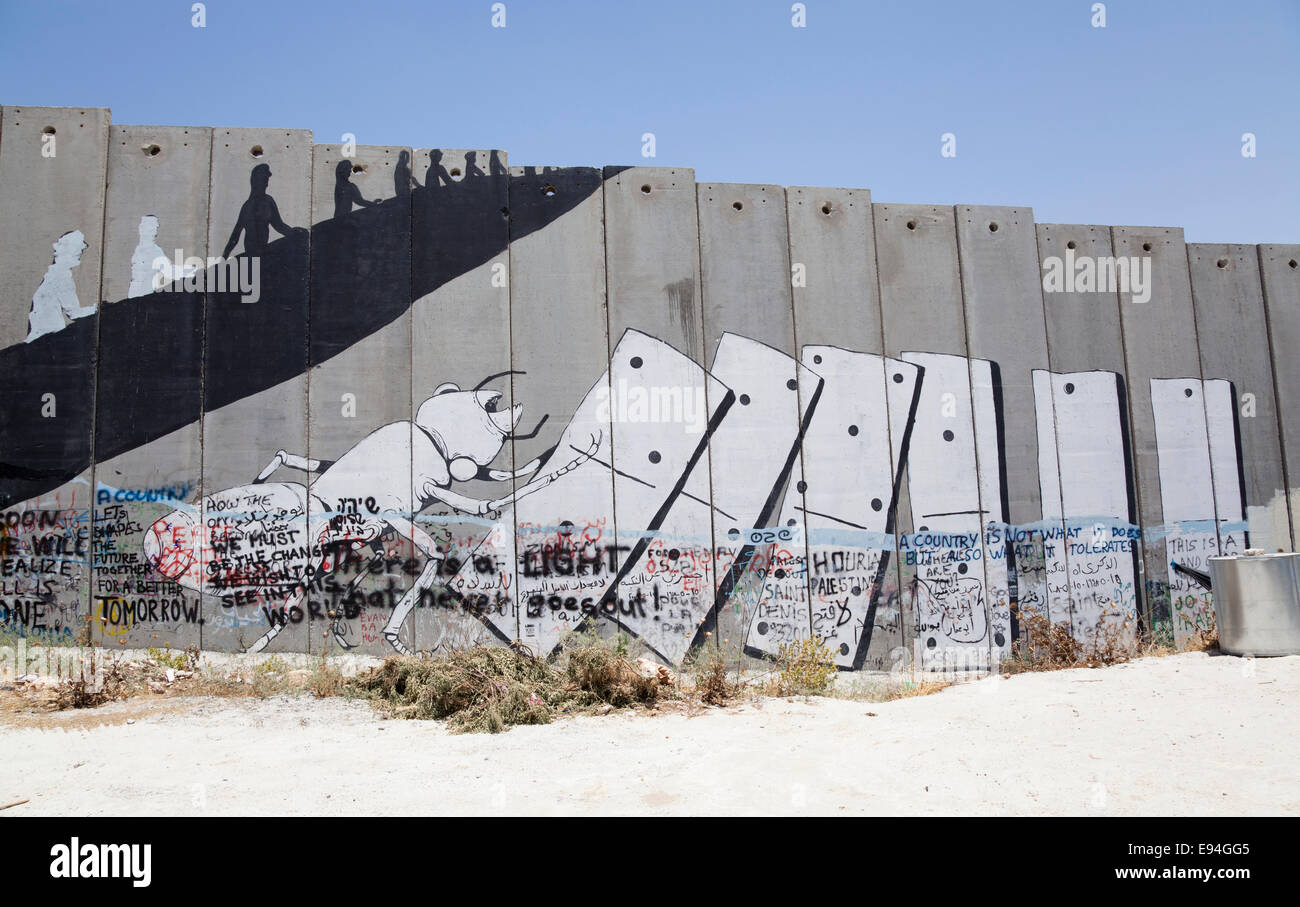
(255, 390)
(1159, 342)
(849, 460)
(1232, 329)
(460, 335)
(560, 351)
(52, 177)
(1279, 267)
(652, 259)
(922, 312)
(1005, 325)
(156, 208)
(1085, 343)
(359, 394)
(749, 323)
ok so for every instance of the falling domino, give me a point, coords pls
(962, 611)
(1196, 454)
(1087, 511)
(845, 499)
(754, 456)
(663, 407)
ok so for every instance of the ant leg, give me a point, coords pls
(433, 560)
(295, 601)
(284, 458)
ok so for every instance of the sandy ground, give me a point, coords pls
(1191, 734)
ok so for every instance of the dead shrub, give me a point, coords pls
(712, 684)
(88, 692)
(1045, 645)
(491, 688)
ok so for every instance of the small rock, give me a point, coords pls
(157, 686)
(171, 675)
(130, 721)
(28, 678)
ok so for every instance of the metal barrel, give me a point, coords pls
(1257, 603)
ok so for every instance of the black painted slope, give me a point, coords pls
(150, 384)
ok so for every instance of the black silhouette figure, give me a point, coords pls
(437, 174)
(403, 179)
(472, 169)
(258, 214)
(346, 193)
(495, 167)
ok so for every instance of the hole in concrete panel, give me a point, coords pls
(645, 190)
(48, 130)
(454, 172)
(1146, 247)
(1221, 263)
(911, 225)
(358, 168)
(737, 205)
(1291, 264)
(256, 151)
(548, 191)
(826, 208)
(993, 226)
(1070, 244)
(153, 150)
(1069, 388)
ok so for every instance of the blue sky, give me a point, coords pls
(1139, 122)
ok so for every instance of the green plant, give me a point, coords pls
(805, 668)
(185, 660)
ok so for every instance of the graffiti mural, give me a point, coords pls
(166, 471)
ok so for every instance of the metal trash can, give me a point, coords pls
(1257, 603)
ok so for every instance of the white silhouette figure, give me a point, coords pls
(55, 302)
(151, 270)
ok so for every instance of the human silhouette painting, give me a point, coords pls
(346, 193)
(403, 179)
(437, 174)
(55, 304)
(257, 216)
(151, 269)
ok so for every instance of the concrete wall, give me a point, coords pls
(414, 399)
